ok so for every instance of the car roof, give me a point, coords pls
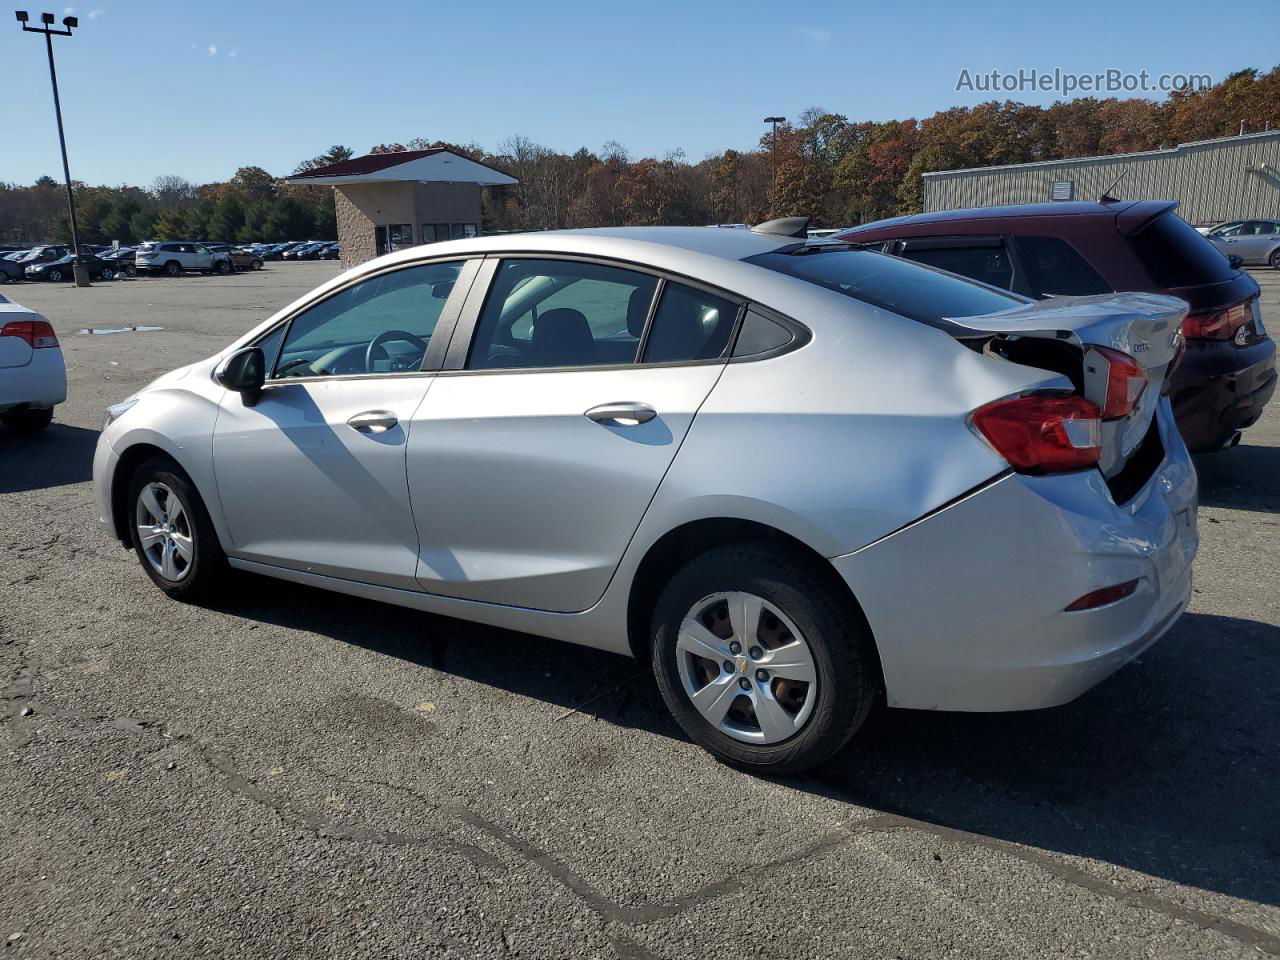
(1131, 214)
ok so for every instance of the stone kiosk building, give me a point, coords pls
(389, 201)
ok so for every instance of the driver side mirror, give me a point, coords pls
(245, 371)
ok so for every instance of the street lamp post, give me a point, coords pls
(49, 31)
(773, 141)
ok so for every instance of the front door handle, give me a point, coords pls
(373, 421)
(625, 414)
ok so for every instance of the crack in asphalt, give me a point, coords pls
(19, 696)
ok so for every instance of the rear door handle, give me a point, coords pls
(373, 421)
(624, 414)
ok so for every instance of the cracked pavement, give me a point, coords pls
(295, 773)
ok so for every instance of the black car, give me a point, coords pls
(122, 261)
(59, 270)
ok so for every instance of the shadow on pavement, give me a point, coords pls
(1242, 478)
(53, 457)
(1169, 768)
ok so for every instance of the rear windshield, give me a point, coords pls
(1176, 256)
(906, 288)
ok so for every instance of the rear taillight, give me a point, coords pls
(1217, 324)
(1042, 432)
(37, 333)
(1126, 380)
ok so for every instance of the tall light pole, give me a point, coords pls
(773, 141)
(49, 31)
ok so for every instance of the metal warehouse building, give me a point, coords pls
(1228, 179)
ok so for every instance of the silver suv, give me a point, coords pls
(175, 257)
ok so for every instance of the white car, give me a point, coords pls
(794, 477)
(33, 377)
(173, 258)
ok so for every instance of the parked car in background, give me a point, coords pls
(58, 271)
(304, 251)
(776, 470)
(1255, 242)
(33, 376)
(331, 251)
(1227, 373)
(11, 269)
(47, 252)
(173, 258)
(123, 260)
(244, 258)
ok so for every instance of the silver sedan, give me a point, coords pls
(799, 479)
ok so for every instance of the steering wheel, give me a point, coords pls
(386, 336)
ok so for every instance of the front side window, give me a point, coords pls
(561, 313)
(1226, 230)
(379, 325)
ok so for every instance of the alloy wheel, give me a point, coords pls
(55, 275)
(164, 532)
(746, 668)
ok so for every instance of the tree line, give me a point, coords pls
(823, 165)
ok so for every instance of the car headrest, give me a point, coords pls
(563, 337)
(638, 311)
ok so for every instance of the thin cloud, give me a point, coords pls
(235, 52)
(68, 10)
(815, 36)
(95, 14)
(212, 50)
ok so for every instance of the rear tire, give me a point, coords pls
(796, 601)
(255, 265)
(27, 419)
(1275, 260)
(180, 550)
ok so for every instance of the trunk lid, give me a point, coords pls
(1145, 327)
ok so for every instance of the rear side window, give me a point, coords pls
(891, 283)
(987, 263)
(1176, 256)
(1054, 268)
(689, 325)
(561, 313)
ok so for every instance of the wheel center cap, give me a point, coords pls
(744, 666)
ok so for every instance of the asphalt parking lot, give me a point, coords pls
(300, 774)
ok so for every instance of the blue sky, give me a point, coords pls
(200, 89)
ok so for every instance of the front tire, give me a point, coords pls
(762, 659)
(1275, 260)
(221, 267)
(107, 274)
(172, 533)
(172, 268)
(55, 276)
(27, 419)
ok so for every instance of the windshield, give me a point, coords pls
(910, 289)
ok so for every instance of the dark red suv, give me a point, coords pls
(1227, 374)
